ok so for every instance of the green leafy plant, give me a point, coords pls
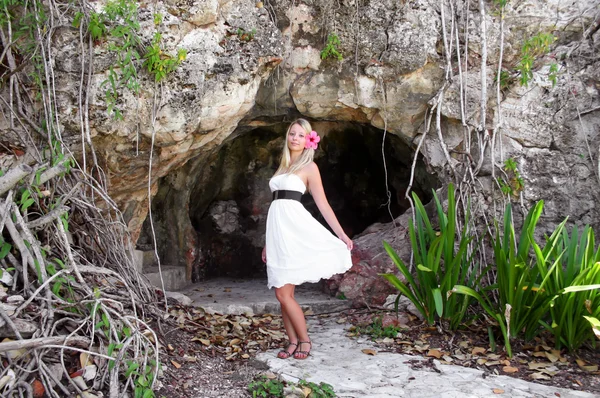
(264, 387)
(440, 263)
(321, 390)
(524, 283)
(574, 285)
(26, 200)
(553, 73)
(245, 35)
(273, 388)
(61, 285)
(377, 331)
(158, 18)
(595, 325)
(506, 79)
(142, 378)
(331, 49)
(5, 248)
(160, 64)
(533, 48)
(513, 183)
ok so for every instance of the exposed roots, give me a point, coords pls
(76, 306)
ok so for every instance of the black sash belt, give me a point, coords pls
(284, 194)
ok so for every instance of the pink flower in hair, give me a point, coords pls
(312, 140)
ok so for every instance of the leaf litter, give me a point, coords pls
(211, 355)
(224, 347)
(534, 361)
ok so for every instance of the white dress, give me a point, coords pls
(299, 248)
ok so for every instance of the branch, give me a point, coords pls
(13, 177)
(43, 342)
(54, 171)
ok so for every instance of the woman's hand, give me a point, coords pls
(264, 254)
(347, 241)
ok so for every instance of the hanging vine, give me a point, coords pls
(65, 247)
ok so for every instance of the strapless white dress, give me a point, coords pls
(299, 248)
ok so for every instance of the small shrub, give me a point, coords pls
(160, 64)
(273, 388)
(331, 48)
(513, 184)
(533, 48)
(321, 390)
(263, 387)
(377, 331)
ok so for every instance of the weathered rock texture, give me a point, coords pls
(393, 67)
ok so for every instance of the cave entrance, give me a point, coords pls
(230, 196)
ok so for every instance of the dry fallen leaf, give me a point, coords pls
(553, 358)
(588, 368)
(539, 376)
(434, 353)
(538, 365)
(369, 351)
(177, 365)
(85, 359)
(510, 369)
(478, 350)
(498, 391)
(492, 363)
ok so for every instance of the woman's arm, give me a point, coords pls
(315, 186)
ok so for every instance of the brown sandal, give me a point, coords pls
(304, 354)
(285, 354)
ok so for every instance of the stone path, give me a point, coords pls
(239, 296)
(339, 361)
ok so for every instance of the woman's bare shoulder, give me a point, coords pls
(311, 168)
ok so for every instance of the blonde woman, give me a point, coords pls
(298, 248)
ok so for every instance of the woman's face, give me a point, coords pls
(296, 138)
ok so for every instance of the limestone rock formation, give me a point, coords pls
(253, 66)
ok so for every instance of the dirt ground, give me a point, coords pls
(213, 355)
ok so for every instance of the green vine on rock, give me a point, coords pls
(513, 183)
(331, 48)
(119, 25)
(533, 48)
(160, 64)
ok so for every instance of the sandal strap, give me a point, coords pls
(285, 353)
(305, 353)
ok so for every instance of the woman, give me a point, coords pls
(298, 248)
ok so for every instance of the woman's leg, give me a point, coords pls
(293, 317)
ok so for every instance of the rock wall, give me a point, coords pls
(393, 66)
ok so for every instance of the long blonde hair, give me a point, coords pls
(305, 158)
